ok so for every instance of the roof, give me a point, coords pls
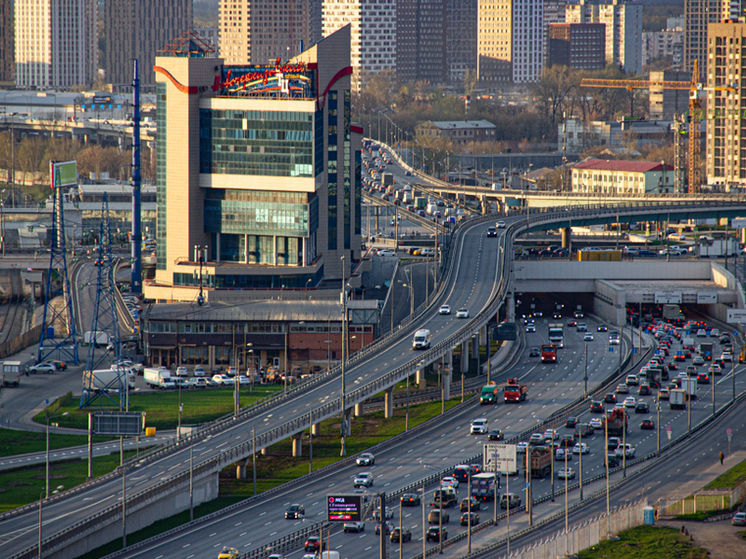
(623, 166)
(462, 124)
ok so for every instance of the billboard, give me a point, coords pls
(63, 173)
(291, 79)
(668, 297)
(499, 457)
(118, 423)
(344, 508)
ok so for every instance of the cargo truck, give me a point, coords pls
(548, 353)
(556, 335)
(157, 377)
(705, 350)
(101, 338)
(716, 248)
(677, 399)
(541, 462)
(617, 421)
(106, 379)
(515, 392)
(431, 208)
(387, 179)
(483, 486)
(689, 386)
(420, 203)
(489, 394)
(672, 312)
(12, 371)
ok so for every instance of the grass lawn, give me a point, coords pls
(14, 442)
(24, 485)
(644, 542)
(730, 479)
(162, 408)
(279, 466)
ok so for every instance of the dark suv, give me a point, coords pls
(597, 407)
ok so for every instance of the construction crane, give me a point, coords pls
(694, 118)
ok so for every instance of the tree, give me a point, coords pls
(470, 81)
(553, 92)
(61, 149)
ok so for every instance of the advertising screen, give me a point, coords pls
(344, 508)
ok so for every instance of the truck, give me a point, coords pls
(716, 248)
(387, 179)
(672, 312)
(556, 335)
(106, 379)
(489, 394)
(420, 203)
(12, 370)
(157, 377)
(689, 386)
(101, 338)
(705, 350)
(431, 208)
(616, 422)
(514, 392)
(483, 486)
(541, 462)
(548, 353)
(677, 399)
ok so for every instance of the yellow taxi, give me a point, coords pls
(228, 553)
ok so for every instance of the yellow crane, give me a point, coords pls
(695, 132)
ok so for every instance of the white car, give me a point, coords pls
(243, 380)
(581, 448)
(222, 380)
(500, 224)
(701, 333)
(521, 447)
(698, 360)
(363, 479)
(596, 423)
(199, 371)
(714, 333)
(365, 459)
(566, 473)
(551, 433)
(479, 426)
(449, 481)
(47, 368)
(631, 380)
(354, 526)
(629, 402)
(386, 252)
(444, 309)
(181, 371)
(628, 449)
(462, 313)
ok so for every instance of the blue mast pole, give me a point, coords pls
(136, 281)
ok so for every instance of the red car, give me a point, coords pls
(314, 544)
(647, 424)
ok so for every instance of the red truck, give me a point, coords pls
(515, 392)
(548, 353)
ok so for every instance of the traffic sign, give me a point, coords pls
(499, 457)
(634, 350)
(668, 428)
(611, 349)
(736, 316)
(668, 432)
(729, 431)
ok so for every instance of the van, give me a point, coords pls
(421, 339)
(461, 472)
(512, 498)
(438, 516)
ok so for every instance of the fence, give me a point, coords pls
(703, 500)
(27, 339)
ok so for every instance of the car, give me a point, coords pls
(716, 369)
(622, 389)
(365, 459)
(387, 527)
(566, 473)
(610, 398)
(578, 314)
(714, 333)
(569, 322)
(582, 327)
(597, 407)
(703, 378)
(491, 232)
(562, 454)
(588, 337)
(586, 430)
(628, 450)
(739, 519)
(407, 173)
(701, 333)
(228, 553)
(596, 423)
(195, 382)
(495, 435)
(551, 434)
(465, 519)
(570, 422)
(631, 380)
(698, 360)
(363, 479)
(536, 439)
(479, 426)
(534, 352)
(314, 543)
(602, 328)
(386, 252)
(530, 328)
(641, 407)
(644, 390)
(434, 534)
(406, 535)
(181, 371)
(462, 313)
(444, 309)
(222, 380)
(475, 504)
(629, 402)
(295, 511)
(619, 406)
(62, 366)
(47, 368)
(581, 448)
(199, 371)
(647, 424)
(557, 315)
(410, 500)
(354, 526)
(500, 224)
(520, 448)
(449, 481)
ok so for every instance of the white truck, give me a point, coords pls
(106, 379)
(431, 208)
(101, 338)
(157, 377)
(689, 386)
(716, 248)
(677, 399)
(421, 339)
(11, 373)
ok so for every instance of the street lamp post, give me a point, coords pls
(343, 450)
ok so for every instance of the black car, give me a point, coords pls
(597, 407)
(495, 435)
(534, 352)
(475, 504)
(410, 500)
(647, 424)
(556, 315)
(388, 528)
(602, 328)
(642, 407)
(570, 422)
(406, 535)
(465, 519)
(433, 534)
(295, 511)
(610, 398)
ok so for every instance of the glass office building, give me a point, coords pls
(257, 177)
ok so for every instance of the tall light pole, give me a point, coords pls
(343, 450)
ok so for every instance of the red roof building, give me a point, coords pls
(601, 176)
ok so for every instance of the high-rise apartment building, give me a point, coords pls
(698, 14)
(7, 56)
(726, 122)
(554, 12)
(666, 102)
(577, 45)
(421, 44)
(55, 43)
(510, 40)
(261, 31)
(138, 29)
(258, 173)
(623, 22)
(373, 33)
(659, 44)
(461, 38)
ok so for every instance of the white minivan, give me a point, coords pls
(421, 339)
